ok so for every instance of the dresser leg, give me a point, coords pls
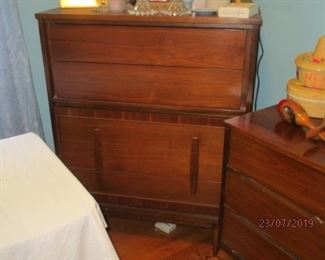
(215, 241)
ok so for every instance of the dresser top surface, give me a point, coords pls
(90, 15)
(267, 128)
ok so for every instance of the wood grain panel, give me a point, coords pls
(122, 200)
(82, 112)
(142, 116)
(286, 223)
(299, 183)
(162, 149)
(246, 242)
(189, 87)
(150, 187)
(156, 117)
(148, 45)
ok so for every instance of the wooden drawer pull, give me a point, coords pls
(98, 151)
(194, 164)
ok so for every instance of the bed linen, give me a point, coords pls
(45, 213)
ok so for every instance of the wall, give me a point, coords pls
(27, 9)
(289, 27)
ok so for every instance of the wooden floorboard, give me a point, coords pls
(136, 240)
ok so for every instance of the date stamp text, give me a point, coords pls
(286, 223)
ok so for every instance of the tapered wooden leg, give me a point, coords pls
(215, 241)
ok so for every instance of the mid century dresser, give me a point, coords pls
(137, 105)
(274, 193)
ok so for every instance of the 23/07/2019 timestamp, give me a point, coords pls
(286, 223)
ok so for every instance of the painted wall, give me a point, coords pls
(289, 27)
(27, 10)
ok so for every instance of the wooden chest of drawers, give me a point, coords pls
(137, 105)
(274, 197)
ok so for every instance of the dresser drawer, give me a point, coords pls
(184, 67)
(173, 86)
(142, 158)
(147, 45)
(285, 223)
(137, 189)
(297, 182)
(248, 243)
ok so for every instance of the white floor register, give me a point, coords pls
(45, 213)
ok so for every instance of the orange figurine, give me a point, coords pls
(294, 113)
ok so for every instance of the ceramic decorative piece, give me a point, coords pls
(309, 87)
(158, 7)
(312, 100)
(311, 66)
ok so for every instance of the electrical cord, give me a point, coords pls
(257, 74)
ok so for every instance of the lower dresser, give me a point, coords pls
(273, 198)
(177, 179)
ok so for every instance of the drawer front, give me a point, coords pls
(246, 242)
(298, 183)
(144, 159)
(174, 86)
(186, 67)
(161, 46)
(137, 189)
(287, 224)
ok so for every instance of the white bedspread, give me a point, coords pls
(45, 213)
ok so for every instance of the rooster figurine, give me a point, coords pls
(293, 113)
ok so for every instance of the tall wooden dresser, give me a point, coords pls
(137, 105)
(274, 193)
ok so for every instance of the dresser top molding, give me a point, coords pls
(90, 16)
(267, 128)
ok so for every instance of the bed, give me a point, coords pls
(45, 213)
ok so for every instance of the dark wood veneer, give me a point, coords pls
(274, 176)
(137, 105)
(242, 240)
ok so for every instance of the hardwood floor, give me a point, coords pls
(139, 240)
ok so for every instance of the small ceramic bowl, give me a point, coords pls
(311, 66)
(311, 71)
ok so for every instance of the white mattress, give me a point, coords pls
(45, 213)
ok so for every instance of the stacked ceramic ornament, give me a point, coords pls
(309, 87)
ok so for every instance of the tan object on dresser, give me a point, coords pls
(273, 203)
(137, 105)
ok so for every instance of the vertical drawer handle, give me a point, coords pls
(194, 165)
(98, 151)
